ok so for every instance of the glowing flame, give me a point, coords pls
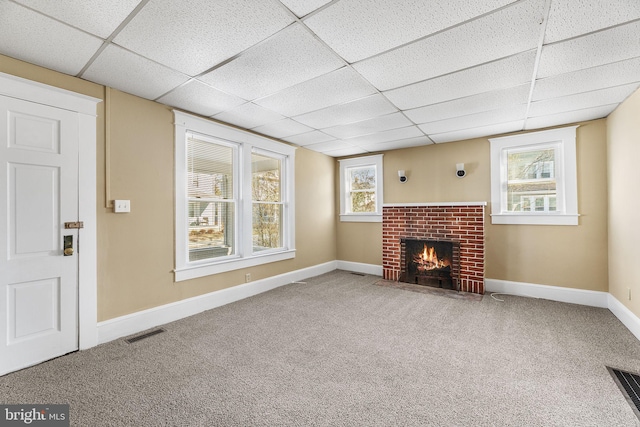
(428, 259)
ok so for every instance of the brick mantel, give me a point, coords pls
(462, 222)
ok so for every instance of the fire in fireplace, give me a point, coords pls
(430, 263)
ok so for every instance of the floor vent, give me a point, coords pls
(629, 385)
(143, 336)
(357, 274)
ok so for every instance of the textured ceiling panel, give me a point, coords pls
(570, 18)
(288, 58)
(360, 109)
(394, 145)
(388, 135)
(509, 31)
(501, 74)
(582, 100)
(282, 128)
(600, 48)
(303, 7)
(480, 132)
(200, 98)
(570, 117)
(471, 104)
(339, 86)
(32, 37)
(358, 29)
(615, 74)
(329, 146)
(350, 151)
(192, 39)
(249, 116)
(381, 123)
(476, 120)
(99, 17)
(131, 73)
(312, 137)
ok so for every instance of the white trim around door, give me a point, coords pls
(85, 106)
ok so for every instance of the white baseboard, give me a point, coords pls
(626, 316)
(136, 322)
(358, 267)
(574, 296)
(553, 293)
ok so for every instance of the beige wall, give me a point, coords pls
(623, 136)
(570, 256)
(135, 250)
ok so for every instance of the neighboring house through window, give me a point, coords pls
(533, 178)
(361, 189)
(234, 198)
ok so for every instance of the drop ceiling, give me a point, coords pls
(346, 77)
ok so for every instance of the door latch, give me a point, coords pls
(68, 246)
(70, 225)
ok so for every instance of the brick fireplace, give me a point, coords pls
(459, 222)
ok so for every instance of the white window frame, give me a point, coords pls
(246, 143)
(345, 166)
(563, 140)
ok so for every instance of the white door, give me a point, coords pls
(38, 194)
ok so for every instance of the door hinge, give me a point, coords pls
(79, 224)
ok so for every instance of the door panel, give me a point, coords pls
(38, 193)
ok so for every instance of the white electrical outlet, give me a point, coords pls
(247, 277)
(122, 206)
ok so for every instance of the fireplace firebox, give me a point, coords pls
(432, 263)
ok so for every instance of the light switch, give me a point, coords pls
(122, 206)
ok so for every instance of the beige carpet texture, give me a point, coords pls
(342, 350)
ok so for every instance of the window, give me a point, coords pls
(361, 189)
(234, 198)
(533, 178)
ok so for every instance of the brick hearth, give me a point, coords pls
(460, 222)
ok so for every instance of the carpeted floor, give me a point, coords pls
(340, 351)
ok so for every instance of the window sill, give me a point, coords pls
(541, 219)
(360, 218)
(195, 271)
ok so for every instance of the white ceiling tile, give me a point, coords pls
(34, 38)
(471, 104)
(595, 49)
(303, 7)
(350, 151)
(364, 127)
(282, 128)
(99, 17)
(339, 86)
(582, 100)
(349, 112)
(570, 18)
(357, 29)
(614, 74)
(483, 131)
(307, 138)
(388, 135)
(329, 146)
(501, 74)
(201, 99)
(288, 58)
(509, 31)
(128, 72)
(570, 117)
(192, 38)
(248, 116)
(476, 120)
(395, 145)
